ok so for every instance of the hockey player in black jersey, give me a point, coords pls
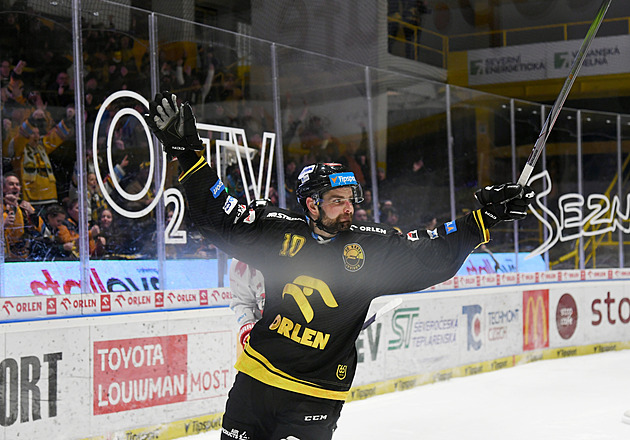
(321, 272)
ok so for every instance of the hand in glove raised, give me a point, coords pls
(505, 202)
(174, 126)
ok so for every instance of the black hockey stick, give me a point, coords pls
(557, 106)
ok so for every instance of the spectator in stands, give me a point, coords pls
(360, 215)
(30, 151)
(293, 124)
(349, 159)
(96, 200)
(60, 94)
(9, 33)
(10, 128)
(367, 203)
(93, 97)
(201, 92)
(234, 183)
(35, 102)
(141, 229)
(291, 172)
(68, 230)
(21, 222)
(13, 93)
(231, 96)
(412, 13)
(111, 240)
(393, 27)
(389, 216)
(428, 222)
(5, 72)
(48, 246)
(386, 187)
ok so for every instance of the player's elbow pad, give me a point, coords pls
(243, 333)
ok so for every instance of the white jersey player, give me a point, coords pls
(248, 298)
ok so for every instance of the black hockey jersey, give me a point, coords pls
(318, 294)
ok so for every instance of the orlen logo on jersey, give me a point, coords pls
(535, 319)
(106, 303)
(473, 312)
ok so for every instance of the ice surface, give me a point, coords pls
(578, 398)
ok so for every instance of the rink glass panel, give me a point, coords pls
(46, 47)
(127, 165)
(482, 153)
(227, 81)
(323, 111)
(562, 165)
(599, 171)
(624, 129)
(526, 129)
(412, 145)
(409, 116)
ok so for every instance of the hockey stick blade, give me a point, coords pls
(391, 305)
(564, 92)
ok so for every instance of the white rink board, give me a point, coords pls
(436, 331)
(97, 357)
(167, 374)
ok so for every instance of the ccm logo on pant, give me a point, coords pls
(315, 418)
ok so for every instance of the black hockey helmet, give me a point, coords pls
(315, 180)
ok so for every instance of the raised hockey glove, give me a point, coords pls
(243, 333)
(505, 202)
(174, 126)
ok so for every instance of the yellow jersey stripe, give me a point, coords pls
(257, 366)
(485, 233)
(200, 163)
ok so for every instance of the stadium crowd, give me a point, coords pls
(40, 167)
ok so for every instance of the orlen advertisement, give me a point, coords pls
(21, 308)
(64, 277)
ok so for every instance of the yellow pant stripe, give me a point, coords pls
(257, 366)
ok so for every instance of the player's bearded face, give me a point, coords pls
(336, 210)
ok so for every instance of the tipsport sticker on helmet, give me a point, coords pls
(303, 177)
(217, 188)
(342, 179)
(450, 227)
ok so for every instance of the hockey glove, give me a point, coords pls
(243, 333)
(174, 127)
(505, 202)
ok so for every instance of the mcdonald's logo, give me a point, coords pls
(535, 319)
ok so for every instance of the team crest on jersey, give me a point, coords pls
(353, 257)
(341, 371)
